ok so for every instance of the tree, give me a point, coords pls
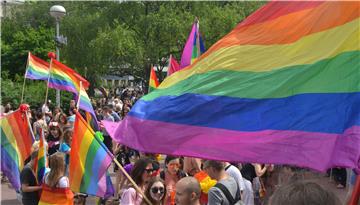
(115, 37)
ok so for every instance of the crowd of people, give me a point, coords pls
(164, 180)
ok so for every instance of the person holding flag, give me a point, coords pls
(29, 185)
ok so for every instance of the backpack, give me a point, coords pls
(228, 195)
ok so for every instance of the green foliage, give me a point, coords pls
(112, 37)
(34, 95)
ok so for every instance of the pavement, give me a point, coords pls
(8, 195)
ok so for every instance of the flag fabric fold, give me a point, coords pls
(56, 196)
(85, 104)
(16, 142)
(194, 46)
(282, 87)
(173, 66)
(64, 78)
(37, 69)
(89, 161)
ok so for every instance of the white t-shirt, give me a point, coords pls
(236, 174)
(62, 183)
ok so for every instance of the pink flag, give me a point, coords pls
(173, 66)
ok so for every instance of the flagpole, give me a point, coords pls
(132, 181)
(197, 37)
(78, 100)
(23, 88)
(47, 87)
(29, 124)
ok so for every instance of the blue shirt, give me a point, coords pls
(65, 148)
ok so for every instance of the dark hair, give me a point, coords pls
(303, 192)
(39, 115)
(105, 108)
(217, 165)
(34, 155)
(148, 189)
(139, 169)
(125, 107)
(62, 115)
(169, 158)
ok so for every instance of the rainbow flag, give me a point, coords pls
(56, 196)
(283, 87)
(40, 163)
(37, 69)
(65, 78)
(89, 161)
(153, 81)
(194, 46)
(173, 66)
(16, 142)
(85, 104)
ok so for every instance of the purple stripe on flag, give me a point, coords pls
(103, 188)
(188, 49)
(315, 150)
(62, 87)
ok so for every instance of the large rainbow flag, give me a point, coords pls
(194, 46)
(37, 69)
(89, 161)
(56, 196)
(65, 78)
(283, 87)
(16, 142)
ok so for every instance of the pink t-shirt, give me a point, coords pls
(130, 197)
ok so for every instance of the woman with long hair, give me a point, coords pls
(141, 174)
(54, 137)
(155, 191)
(56, 186)
(65, 147)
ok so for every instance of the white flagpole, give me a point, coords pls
(23, 88)
(78, 102)
(47, 87)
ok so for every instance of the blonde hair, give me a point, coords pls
(57, 166)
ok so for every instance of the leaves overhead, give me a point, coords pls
(114, 37)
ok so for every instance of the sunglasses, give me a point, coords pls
(156, 190)
(149, 171)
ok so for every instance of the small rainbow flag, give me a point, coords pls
(153, 82)
(173, 66)
(283, 87)
(16, 142)
(64, 78)
(194, 46)
(40, 163)
(89, 161)
(37, 69)
(56, 196)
